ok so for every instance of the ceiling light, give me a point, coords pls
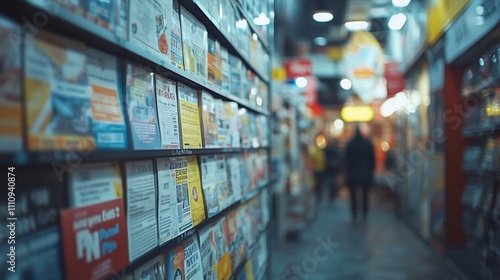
(320, 41)
(345, 84)
(357, 25)
(323, 16)
(338, 123)
(397, 21)
(400, 3)
(254, 37)
(301, 82)
(262, 19)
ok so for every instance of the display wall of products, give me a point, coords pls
(79, 98)
(109, 215)
(151, 28)
(117, 133)
(481, 159)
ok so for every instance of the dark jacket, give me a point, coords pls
(360, 161)
(333, 158)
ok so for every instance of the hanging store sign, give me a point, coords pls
(440, 14)
(363, 64)
(480, 17)
(298, 68)
(394, 77)
(357, 113)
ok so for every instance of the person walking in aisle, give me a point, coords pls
(319, 163)
(360, 167)
(333, 163)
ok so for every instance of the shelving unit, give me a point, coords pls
(214, 244)
(481, 198)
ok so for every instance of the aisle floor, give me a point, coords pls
(335, 247)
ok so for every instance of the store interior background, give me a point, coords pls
(432, 70)
(421, 78)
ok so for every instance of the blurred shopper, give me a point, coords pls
(360, 167)
(319, 164)
(333, 164)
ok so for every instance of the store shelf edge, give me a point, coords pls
(71, 159)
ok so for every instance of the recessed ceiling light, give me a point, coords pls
(323, 16)
(397, 21)
(400, 3)
(320, 41)
(345, 84)
(357, 25)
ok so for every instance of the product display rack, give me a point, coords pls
(480, 162)
(66, 23)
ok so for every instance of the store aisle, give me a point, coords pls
(335, 247)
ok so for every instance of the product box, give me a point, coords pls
(174, 207)
(231, 112)
(141, 106)
(234, 176)
(110, 15)
(194, 43)
(58, 110)
(184, 262)
(94, 183)
(215, 250)
(210, 127)
(189, 117)
(225, 70)
(224, 190)
(168, 113)
(141, 208)
(176, 55)
(224, 136)
(196, 198)
(150, 25)
(94, 240)
(154, 269)
(214, 62)
(209, 180)
(235, 78)
(105, 80)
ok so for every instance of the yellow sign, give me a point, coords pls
(279, 74)
(357, 113)
(440, 14)
(335, 53)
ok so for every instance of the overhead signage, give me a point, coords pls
(394, 77)
(480, 17)
(298, 68)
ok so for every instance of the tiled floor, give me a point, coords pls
(335, 247)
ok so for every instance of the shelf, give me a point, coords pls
(225, 40)
(482, 211)
(254, 28)
(471, 132)
(191, 232)
(117, 46)
(482, 171)
(72, 158)
(486, 88)
(251, 249)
